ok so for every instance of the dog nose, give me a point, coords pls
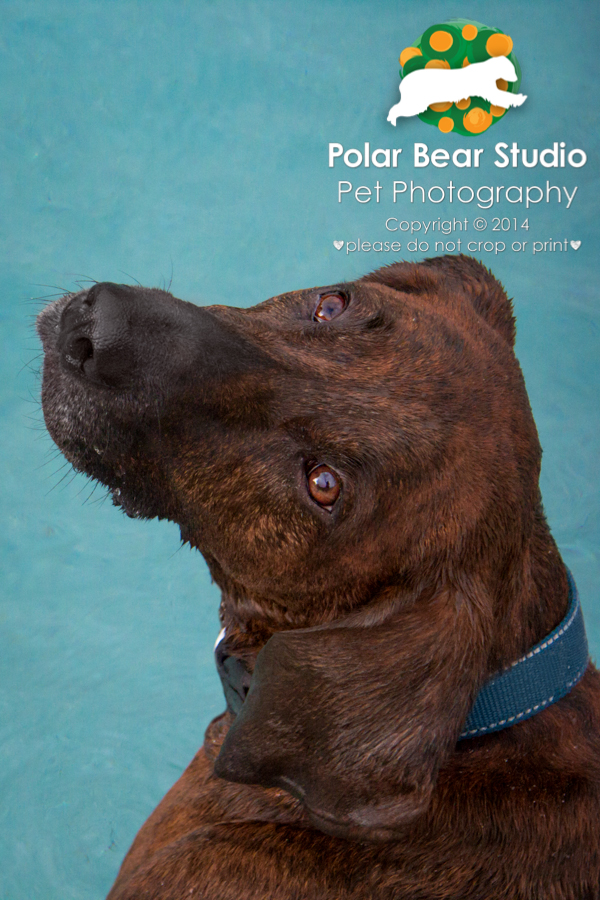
(95, 339)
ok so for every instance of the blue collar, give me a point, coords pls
(541, 677)
(529, 685)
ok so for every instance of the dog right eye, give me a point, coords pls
(330, 306)
(324, 486)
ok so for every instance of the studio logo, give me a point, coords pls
(461, 76)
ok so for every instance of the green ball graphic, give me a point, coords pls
(453, 45)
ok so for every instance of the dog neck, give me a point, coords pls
(545, 674)
(541, 677)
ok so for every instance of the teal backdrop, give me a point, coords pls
(185, 144)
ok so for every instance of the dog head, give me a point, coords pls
(358, 464)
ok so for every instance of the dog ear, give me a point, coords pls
(463, 275)
(356, 718)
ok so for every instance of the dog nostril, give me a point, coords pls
(90, 297)
(95, 339)
(77, 351)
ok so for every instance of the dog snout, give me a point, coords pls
(122, 337)
(95, 338)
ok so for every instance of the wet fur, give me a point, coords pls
(370, 628)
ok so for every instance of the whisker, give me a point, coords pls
(50, 461)
(39, 301)
(86, 278)
(61, 480)
(56, 287)
(28, 365)
(91, 494)
(130, 276)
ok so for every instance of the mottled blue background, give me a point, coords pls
(188, 141)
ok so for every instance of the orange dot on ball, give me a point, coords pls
(501, 84)
(497, 111)
(477, 120)
(440, 41)
(437, 64)
(440, 107)
(469, 32)
(464, 104)
(446, 124)
(499, 45)
(408, 53)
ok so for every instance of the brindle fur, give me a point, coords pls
(369, 628)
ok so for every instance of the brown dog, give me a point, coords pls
(358, 464)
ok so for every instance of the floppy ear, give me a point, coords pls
(356, 718)
(464, 275)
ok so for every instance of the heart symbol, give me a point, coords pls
(339, 244)
(575, 245)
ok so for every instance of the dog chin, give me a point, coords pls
(93, 463)
(130, 507)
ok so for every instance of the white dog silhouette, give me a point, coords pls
(423, 87)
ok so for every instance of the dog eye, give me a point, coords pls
(324, 486)
(330, 306)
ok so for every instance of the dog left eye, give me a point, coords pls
(324, 486)
(330, 306)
